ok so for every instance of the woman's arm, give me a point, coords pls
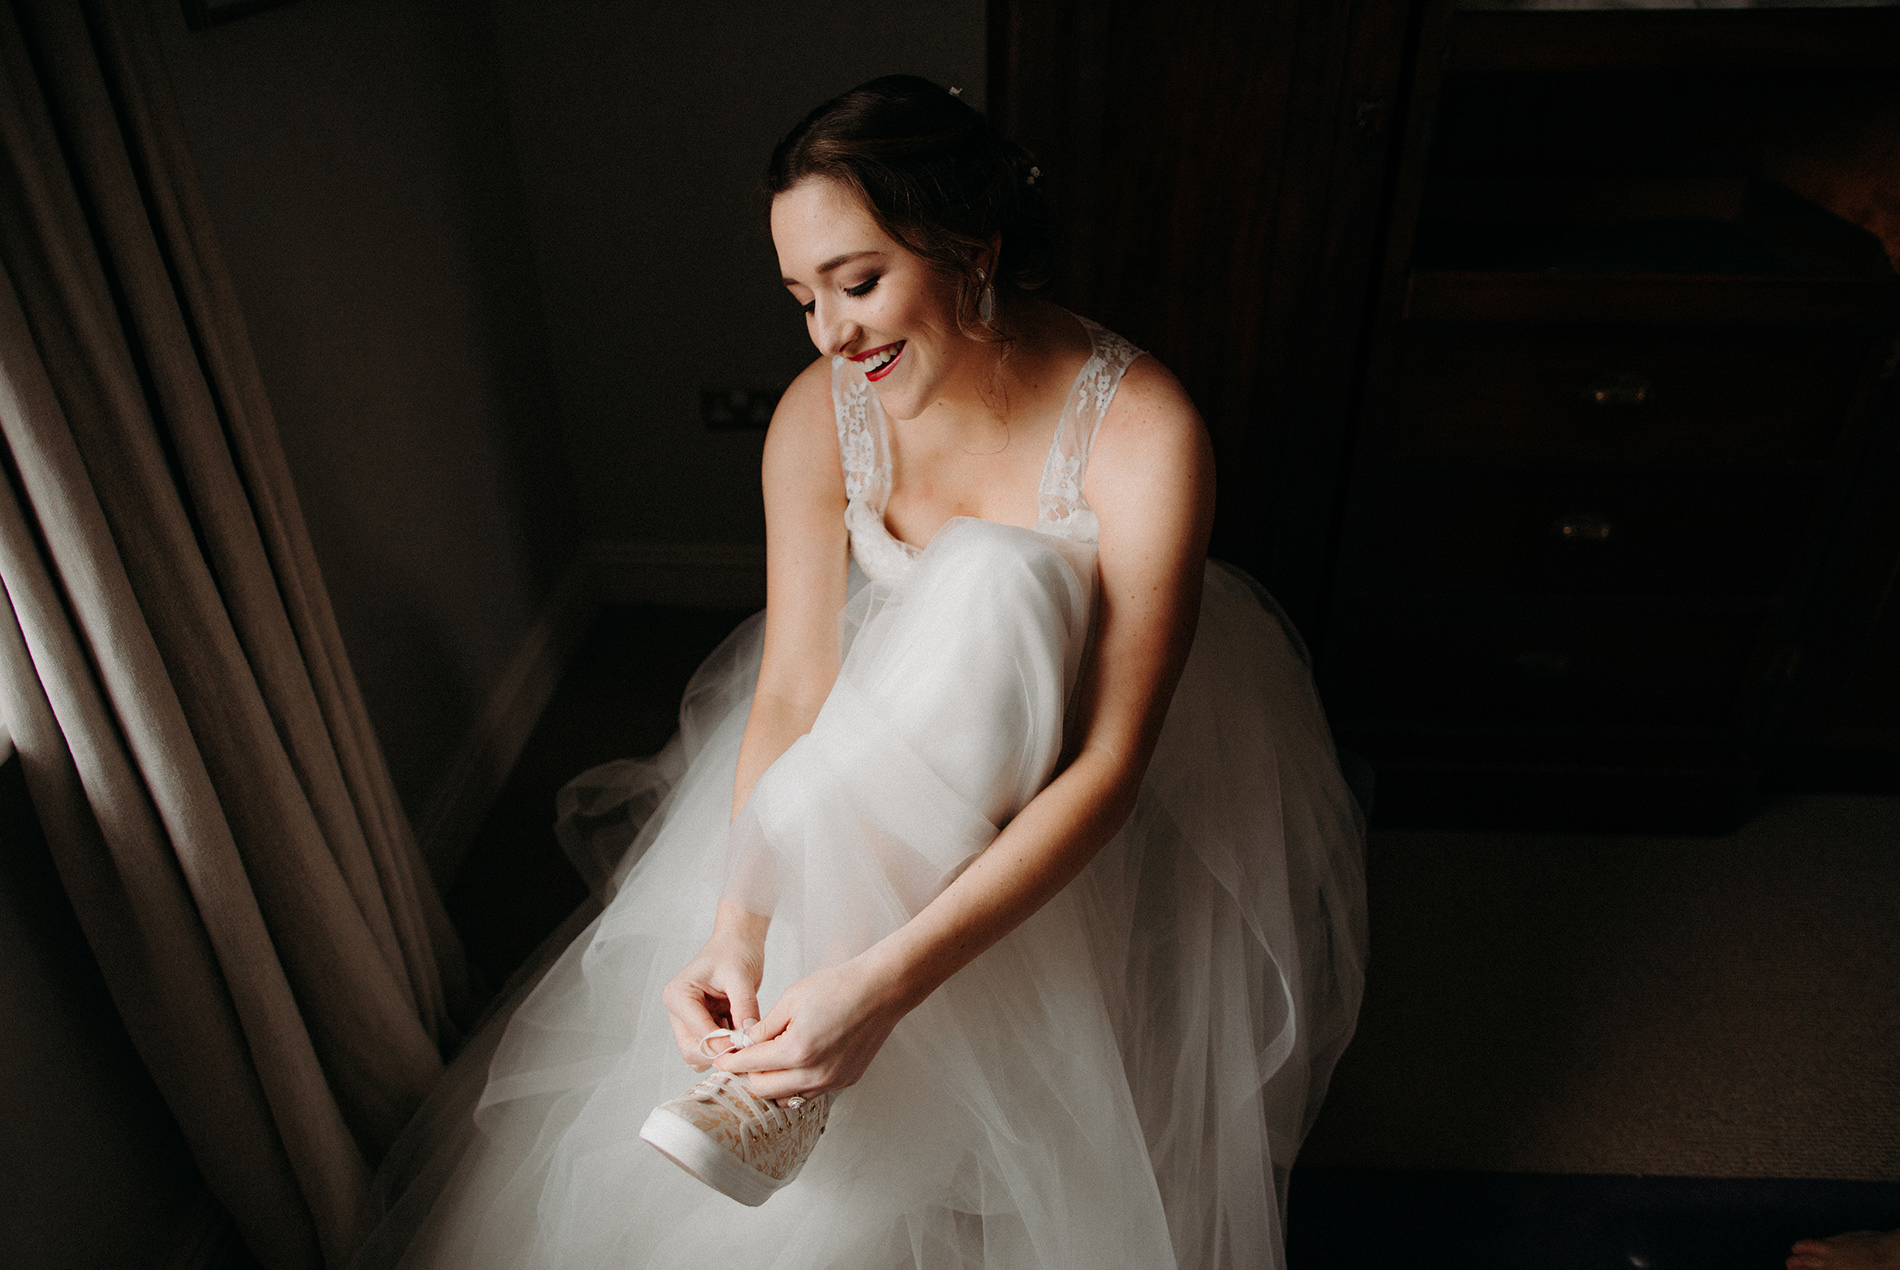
(806, 568)
(1150, 482)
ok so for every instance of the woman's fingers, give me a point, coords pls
(688, 1010)
(718, 989)
(763, 1056)
(774, 1024)
(777, 1064)
(821, 1035)
(688, 1045)
(690, 1003)
(778, 1069)
(768, 1050)
(785, 1084)
(742, 1001)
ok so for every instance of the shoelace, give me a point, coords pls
(736, 1035)
(728, 1091)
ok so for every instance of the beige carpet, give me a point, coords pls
(1705, 1007)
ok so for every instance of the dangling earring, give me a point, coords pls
(986, 303)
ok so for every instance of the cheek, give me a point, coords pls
(924, 305)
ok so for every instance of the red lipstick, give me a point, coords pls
(884, 357)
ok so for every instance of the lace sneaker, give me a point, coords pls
(743, 1146)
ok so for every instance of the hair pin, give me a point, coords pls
(955, 91)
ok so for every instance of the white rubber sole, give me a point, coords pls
(705, 1159)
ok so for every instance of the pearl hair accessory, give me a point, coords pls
(1034, 172)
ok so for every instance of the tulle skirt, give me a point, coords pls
(1121, 1081)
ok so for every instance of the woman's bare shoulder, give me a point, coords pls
(1149, 398)
(804, 431)
(1151, 445)
(806, 404)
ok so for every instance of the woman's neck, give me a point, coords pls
(1041, 348)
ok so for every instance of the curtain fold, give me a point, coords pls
(171, 669)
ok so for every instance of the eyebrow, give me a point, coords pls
(833, 263)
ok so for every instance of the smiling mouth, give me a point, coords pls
(878, 362)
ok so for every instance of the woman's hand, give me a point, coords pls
(720, 986)
(822, 1034)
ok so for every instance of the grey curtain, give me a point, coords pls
(171, 670)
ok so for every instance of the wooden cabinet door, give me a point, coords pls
(1619, 476)
(1219, 169)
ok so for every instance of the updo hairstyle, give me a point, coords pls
(935, 176)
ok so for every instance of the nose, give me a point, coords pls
(830, 331)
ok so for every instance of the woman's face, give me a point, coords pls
(868, 298)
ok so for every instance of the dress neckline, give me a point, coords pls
(864, 446)
(1055, 442)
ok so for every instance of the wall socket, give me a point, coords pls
(727, 408)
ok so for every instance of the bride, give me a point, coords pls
(1008, 852)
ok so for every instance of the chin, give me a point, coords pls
(917, 384)
(900, 401)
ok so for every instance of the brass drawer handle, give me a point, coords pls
(1619, 391)
(1581, 528)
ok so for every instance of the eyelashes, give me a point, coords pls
(862, 289)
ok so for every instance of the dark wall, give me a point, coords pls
(490, 254)
(642, 131)
(357, 160)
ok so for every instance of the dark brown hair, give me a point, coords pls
(934, 175)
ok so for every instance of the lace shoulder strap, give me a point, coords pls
(857, 439)
(1060, 507)
(864, 449)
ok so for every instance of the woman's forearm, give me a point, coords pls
(1041, 851)
(826, 1028)
(771, 728)
(736, 921)
(774, 723)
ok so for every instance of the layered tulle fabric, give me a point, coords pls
(1122, 1081)
(945, 720)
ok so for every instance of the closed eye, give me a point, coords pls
(862, 289)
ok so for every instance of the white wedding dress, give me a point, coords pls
(1121, 1082)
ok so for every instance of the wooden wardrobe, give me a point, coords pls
(1550, 360)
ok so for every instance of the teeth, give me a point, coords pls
(883, 359)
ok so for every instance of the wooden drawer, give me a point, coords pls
(1655, 396)
(1455, 527)
(1541, 660)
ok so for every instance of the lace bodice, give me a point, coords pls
(864, 445)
